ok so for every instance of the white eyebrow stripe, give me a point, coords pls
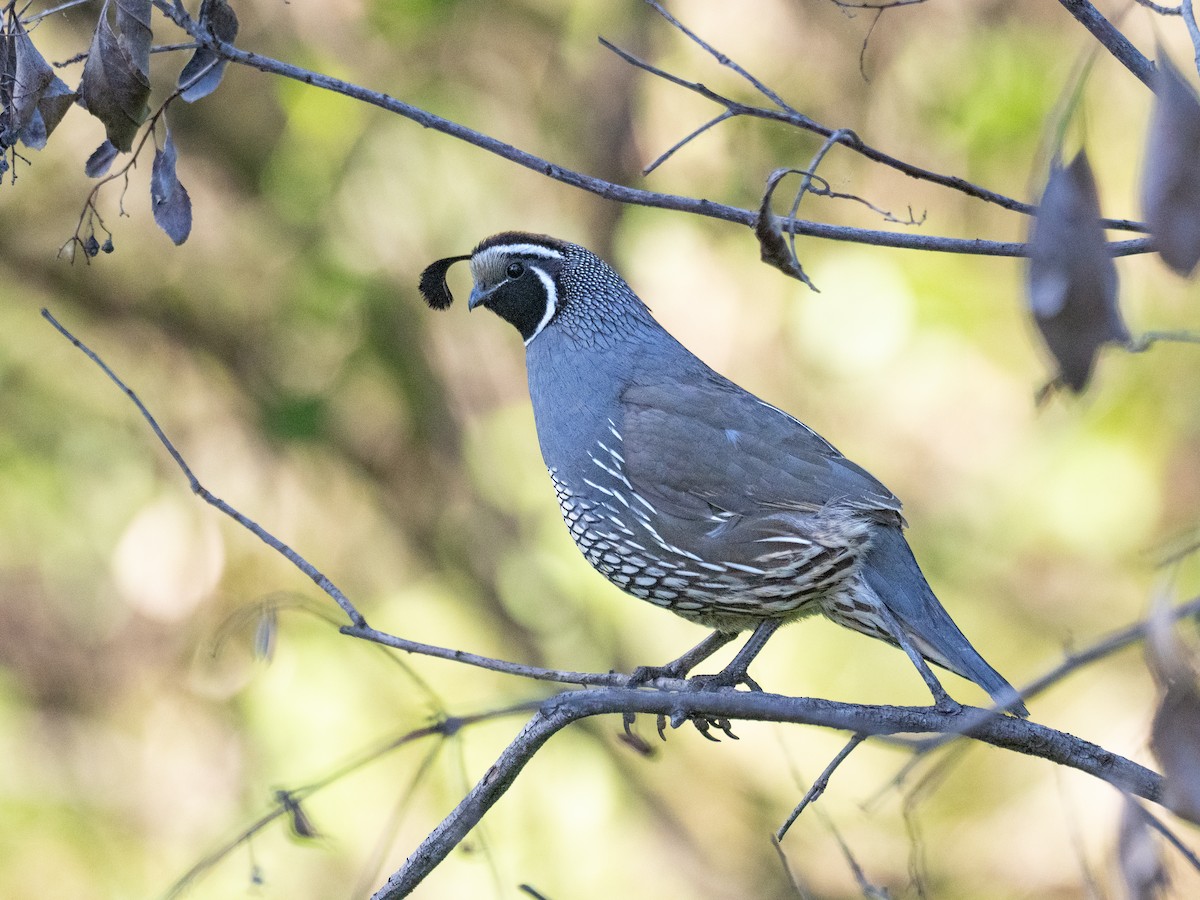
(525, 250)
(551, 302)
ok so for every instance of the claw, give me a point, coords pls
(662, 727)
(724, 725)
(702, 725)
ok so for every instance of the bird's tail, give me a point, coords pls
(892, 572)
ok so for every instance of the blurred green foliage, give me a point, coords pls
(286, 351)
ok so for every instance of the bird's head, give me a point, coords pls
(531, 280)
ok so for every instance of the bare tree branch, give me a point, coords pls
(197, 488)
(562, 709)
(600, 187)
(1111, 39)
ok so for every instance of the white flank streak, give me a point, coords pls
(602, 490)
(750, 569)
(645, 503)
(551, 302)
(612, 426)
(783, 540)
(613, 472)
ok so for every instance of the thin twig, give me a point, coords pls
(819, 786)
(1189, 19)
(197, 488)
(799, 120)
(62, 7)
(792, 877)
(722, 58)
(1158, 8)
(1111, 39)
(1172, 838)
(670, 151)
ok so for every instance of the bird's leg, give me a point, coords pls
(941, 700)
(736, 672)
(679, 668)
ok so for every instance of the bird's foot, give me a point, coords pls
(643, 675)
(723, 679)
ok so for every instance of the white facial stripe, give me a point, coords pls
(525, 250)
(551, 302)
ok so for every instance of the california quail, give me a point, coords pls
(686, 490)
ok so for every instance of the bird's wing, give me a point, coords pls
(706, 452)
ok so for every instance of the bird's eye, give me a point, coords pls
(515, 270)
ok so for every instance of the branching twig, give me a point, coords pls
(818, 786)
(791, 116)
(197, 488)
(598, 186)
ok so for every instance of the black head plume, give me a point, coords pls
(433, 282)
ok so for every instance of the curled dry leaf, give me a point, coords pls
(203, 72)
(170, 200)
(100, 160)
(1171, 173)
(1072, 278)
(1175, 732)
(33, 98)
(773, 247)
(115, 83)
(1139, 855)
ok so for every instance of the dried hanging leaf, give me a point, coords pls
(56, 99)
(1171, 175)
(1139, 856)
(115, 85)
(170, 200)
(1175, 732)
(31, 76)
(203, 72)
(773, 247)
(1072, 278)
(102, 157)
(134, 33)
(8, 68)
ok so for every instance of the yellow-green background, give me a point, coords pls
(285, 349)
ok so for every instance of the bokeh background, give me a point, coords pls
(286, 351)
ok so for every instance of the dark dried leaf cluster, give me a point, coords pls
(33, 99)
(115, 88)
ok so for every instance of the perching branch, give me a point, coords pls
(563, 709)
